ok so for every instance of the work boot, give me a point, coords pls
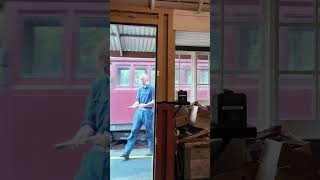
(126, 157)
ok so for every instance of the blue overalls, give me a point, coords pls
(95, 164)
(143, 116)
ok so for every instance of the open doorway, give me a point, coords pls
(192, 67)
(192, 64)
(132, 90)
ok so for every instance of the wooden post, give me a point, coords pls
(165, 142)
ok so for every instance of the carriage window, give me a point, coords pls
(2, 63)
(137, 73)
(92, 31)
(1, 23)
(42, 48)
(124, 76)
(110, 79)
(203, 76)
(183, 76)
(296, 49)
(188, 76)
(153, 76)
(177, 76)
(189, 64)
(2, 67)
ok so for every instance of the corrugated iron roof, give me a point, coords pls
(132, 38)
(137, 30)
(196, 39)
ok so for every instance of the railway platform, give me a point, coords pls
(139, 166)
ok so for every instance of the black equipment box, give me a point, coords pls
(182, 97)
(230, 110)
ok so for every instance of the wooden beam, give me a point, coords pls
(191, 21)
(153, 4)
(116, 30)
(171, 59)
(200, 5)
(132, 20)
(182, 5)
(133, 54)
(116, 6)
(161, 62)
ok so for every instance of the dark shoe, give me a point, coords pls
(126, 157)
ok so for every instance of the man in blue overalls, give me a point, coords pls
(96, 124)
(144, 116)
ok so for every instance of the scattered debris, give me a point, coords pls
(193, 141)
(275, 154)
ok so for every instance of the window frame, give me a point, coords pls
(220, 72)
(271, 15)
(16, 68)
(194, 85)
(4, 64)
(314, 25)
(76, 40)
(67, 12)
(116, 80)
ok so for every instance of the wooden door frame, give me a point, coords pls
(163, 19)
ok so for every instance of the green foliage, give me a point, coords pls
(153, 76)
(177, 76)
(188, 76)
(43, 51)
(48, 50)
(253, 50)
(301, 51)
(204, 77)
(123, 77)
(249, 49)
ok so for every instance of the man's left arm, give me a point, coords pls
(150, 104)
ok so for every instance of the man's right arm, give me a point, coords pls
(88, 124)
(136, 103)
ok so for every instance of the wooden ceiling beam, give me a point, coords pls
(153, 4)
(200, 6)
(182, 5)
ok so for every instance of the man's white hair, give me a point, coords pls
(144, 76)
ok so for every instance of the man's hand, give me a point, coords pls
(102, 139)
(142, 105)
(84, 132)
(97, 139)
(133, 106)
